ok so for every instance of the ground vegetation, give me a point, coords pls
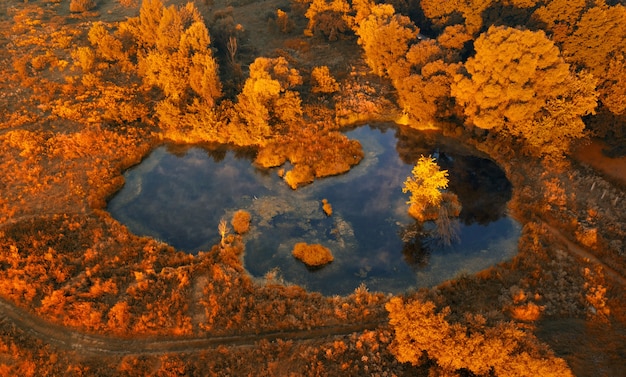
(90, 87)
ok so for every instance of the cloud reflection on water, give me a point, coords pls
(180, 198)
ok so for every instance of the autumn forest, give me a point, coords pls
(90, 87)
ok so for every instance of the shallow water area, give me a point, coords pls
(180, 199)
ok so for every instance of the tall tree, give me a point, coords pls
(443, 13)
(599, 44)
(330, 18)
(559, 17)
(174, 52)
(148, 22)
(612, 87)
(106, 45)
(266, 98)
(425, 185)
(517, 82)
(502, 349)
(423, 78)
(385, 36)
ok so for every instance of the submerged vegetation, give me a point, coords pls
(90, 87)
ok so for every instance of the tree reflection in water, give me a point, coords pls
(414, 251)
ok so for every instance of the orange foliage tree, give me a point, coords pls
(323, 81)
(503, 349)
(598, 44)
(168, 48)
(518, 82)
(106, 45)
(423, 79)
(425, 185)
(385, 36)
(559, 17)
(420, 70)
(429, 202)
(442, 12)
(174, 52)
(267, 99)
(330, 18)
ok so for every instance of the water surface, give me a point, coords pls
(179, 197)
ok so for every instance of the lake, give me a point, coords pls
(179, 194)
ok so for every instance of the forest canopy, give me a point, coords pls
(518, 82)
(534, 71)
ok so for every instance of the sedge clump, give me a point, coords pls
(314, 255)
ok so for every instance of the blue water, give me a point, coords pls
(180, 199)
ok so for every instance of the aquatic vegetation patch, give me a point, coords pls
(314, 255)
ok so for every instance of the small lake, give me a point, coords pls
(178, 195)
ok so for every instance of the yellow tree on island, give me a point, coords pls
(425, 185)
(428, 201)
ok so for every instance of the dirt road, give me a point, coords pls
(73, 340)
(70, 339)
(575, 249)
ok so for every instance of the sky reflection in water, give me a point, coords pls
(180, 199)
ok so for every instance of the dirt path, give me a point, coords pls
(575, 249)
(72, 340)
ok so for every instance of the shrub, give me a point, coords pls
(299, 175)
(322, 80)
(241, 221)
(503, 349)
(284, 24)
(314, 255)
(77, 6)
(326, 207)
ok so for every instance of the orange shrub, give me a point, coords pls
(241, 221)
(299, 175)
(323, 81)
(78, 6)
(529, 312)
(588, 237)
(314, 255)
(326, 207)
